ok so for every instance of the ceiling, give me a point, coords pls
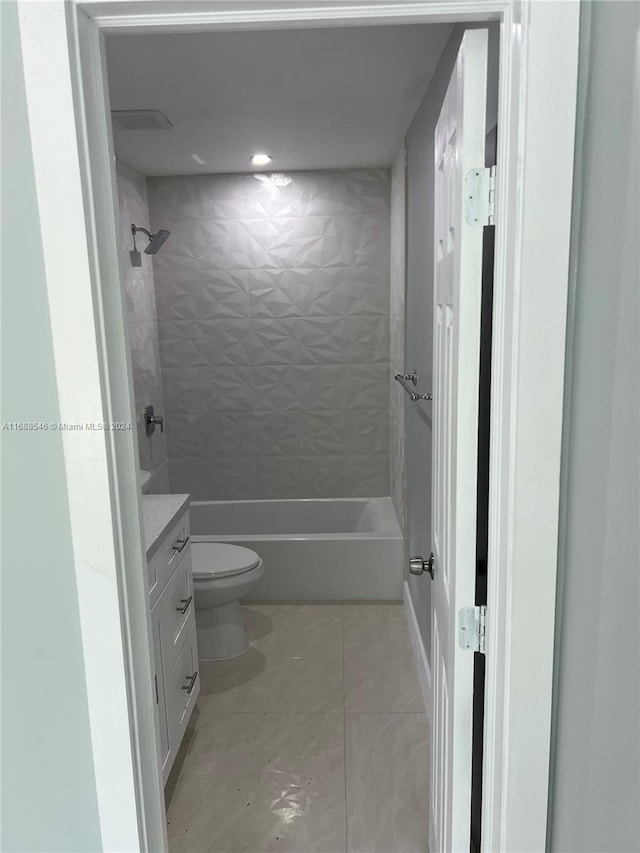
(313, 99)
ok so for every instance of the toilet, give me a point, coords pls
(222, 575)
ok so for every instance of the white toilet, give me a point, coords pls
(222, 575)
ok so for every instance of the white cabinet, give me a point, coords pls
(175, 608)
(161, 704)
(171, 551)
(175, 651)
(181, 685)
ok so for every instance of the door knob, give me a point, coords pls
(418, 566)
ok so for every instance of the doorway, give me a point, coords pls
(260, 333)
(552, 58)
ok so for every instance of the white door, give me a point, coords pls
(459, 148)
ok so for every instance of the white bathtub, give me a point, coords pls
(329, 550)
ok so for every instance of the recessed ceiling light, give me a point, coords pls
(260, 159)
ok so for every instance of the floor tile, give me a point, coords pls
(263, 765)
(355, 614)
(295, 609)
(294, 664)
(387, 760)
(259, 783)
(379, 669)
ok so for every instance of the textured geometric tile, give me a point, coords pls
(297, 387)
(207, 389)
(366, 428)
(366, 386)
(273, 298)
(213, 479)
(200, 295)
(319, 292)
(278, 477)
(274, 294)
(344, 291)
(180, 343)
(322, 433)
(344, 432)
(275, 342)
(209, 434)
(364, 190)
(344, 340)
(275, 434)
(362, 475)
(207, 343)
(242, 477)
(322, 476)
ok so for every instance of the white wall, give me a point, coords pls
(595, 793)
(48, 791)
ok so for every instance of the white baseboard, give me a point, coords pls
(419, 652)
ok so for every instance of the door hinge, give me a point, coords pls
(480, 196)
(155, 678)
(472, 628)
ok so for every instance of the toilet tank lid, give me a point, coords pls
(215, 559)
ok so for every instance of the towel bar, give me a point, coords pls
(411, 377)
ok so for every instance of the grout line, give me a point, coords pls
(236, 711)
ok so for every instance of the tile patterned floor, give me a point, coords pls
(314, 741)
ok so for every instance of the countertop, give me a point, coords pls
(158, 513)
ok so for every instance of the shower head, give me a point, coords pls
(155, 240)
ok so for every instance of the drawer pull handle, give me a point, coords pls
(192, 680)
(186, 602)
(180, 544)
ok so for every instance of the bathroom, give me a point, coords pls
(265, 329)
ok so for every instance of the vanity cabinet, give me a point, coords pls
(175, 651)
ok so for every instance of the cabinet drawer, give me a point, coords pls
(158, 678)
(182, 686)
(169, 554)
(177, 609)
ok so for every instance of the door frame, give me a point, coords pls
(68, 114)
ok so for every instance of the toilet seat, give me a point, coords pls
(216, 560)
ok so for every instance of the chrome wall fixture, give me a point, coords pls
(155, 242)
(403, 379)
(151, 420)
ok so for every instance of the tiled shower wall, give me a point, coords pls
(273, 318)
(398, 395)
(142, 325)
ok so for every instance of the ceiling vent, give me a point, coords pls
(140, 120)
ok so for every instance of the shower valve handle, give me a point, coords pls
(151, 420)
(157, 420)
